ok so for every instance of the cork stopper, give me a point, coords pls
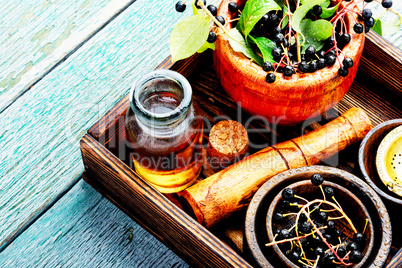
(228, 143)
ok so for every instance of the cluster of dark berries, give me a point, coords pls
(314, 238)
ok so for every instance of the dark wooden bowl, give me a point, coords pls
(289, 100)
(256, 235)
(367, 158)
(350, 204)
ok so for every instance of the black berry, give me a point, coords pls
(220, 19)
(348, 62)
(312, 66)
(277, 52)
(327, 237)
(270, 79)
(329, 257)
(317, 10)
(343, 71)
(321, 54)
(355, 256)
(317, 179)
(310, 51)
(321, 63)
(267, 66)
(213, 9)
(277, 30)
(330, 42)
(278, 217)
(285, 43)
(288, 193)
(279, 38)
(331, 225)
(330, 59)
(386, 3)
(368, 1)
(322, 217)
(303, 67)
(180, 6)
(264, 19)
(294, 256)
(366, 13)
(352, 246)
(284, 233)
(211, 37)
(233, 7)
(319, 251)
(274, 18)
(329, 191)
(358, 27)
(366, 29)
(288, 70)
(359, 239)
(345, 38)
(341, 251)
(196, 3)
(305, 227)
(369, 22)
(338, 233)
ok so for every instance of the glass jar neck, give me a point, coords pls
(161, 102)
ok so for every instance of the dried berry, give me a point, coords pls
(317, 179)
(288, 194)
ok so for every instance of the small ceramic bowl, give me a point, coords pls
(367, 158)
(350, 204)
(256, 235)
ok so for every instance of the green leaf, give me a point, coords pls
(253, 12)
(198, 11)
(392, 27)
(301, 12)
(309, 38)
(318, 29)
(188, 36)
(285, 19)
(205, 46)
(325, 4)
(328, 12)
(238, 44)
(265, 46)
(377, 27)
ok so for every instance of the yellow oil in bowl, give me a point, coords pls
(389, 160)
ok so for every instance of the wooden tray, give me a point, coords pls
(377, 89)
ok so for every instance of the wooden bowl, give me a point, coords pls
(350, 204)
(367, 158)
(289, 100)
(256, 235)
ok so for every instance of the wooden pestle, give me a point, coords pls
(231, 189)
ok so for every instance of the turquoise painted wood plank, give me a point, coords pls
(40, 131)
(83, 229)
(35, 35)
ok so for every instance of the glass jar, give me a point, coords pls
(165, 128)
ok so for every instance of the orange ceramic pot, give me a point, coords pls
(289, 100)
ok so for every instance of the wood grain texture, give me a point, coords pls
(39, 138)
(83, 229)
(161, 217)
(36, 35)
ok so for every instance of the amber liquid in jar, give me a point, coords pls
(166, 153)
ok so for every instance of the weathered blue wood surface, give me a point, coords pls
(42, 128)
(83, 229)
(35, 35)
(39, 156)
